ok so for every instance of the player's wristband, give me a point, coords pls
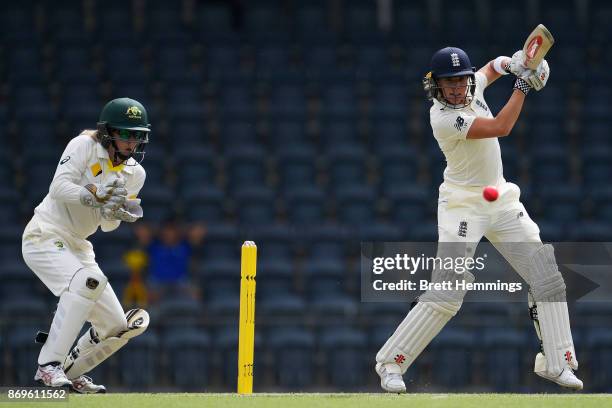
(499, 66)
(522, 85)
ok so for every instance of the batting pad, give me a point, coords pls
(548, 289)
(415, 332)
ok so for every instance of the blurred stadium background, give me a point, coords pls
(300, 125)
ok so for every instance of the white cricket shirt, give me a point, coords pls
(84, 161)
(469, 162)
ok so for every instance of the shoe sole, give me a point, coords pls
(61, 387)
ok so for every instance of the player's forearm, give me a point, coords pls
(66, 191)
(507, 117)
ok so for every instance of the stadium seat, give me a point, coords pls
(345, 362)
(189, 357)
(452, 362)
(504, 349)
(297, 346)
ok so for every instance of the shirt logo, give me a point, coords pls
(459, 123)
(455, 59)
(482, 105)
(65, 159)
(96, 169)
(134, 113)
(59, 245)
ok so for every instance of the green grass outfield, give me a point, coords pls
(329, 400)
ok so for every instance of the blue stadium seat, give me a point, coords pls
(10, 203)
(138, 364)
(345, 351)
(408, 204)
(327, 240)
(346, 165)
(237, 134)
(356, 205)
(17, 279)
(222, 241)
(399, 165)
(390, 102)
(324, 277)
(504, 348)
(214, 18)
(312, 21)
(188, 352)
(339, 101)
(451, 357)
(596, 165)
(599, 343)
(219, 277)
(380, 232)
(197, 164)
(339, 132)
(295, 345)
(549, 166)
(596, 132)
(280, 307)
(388, 134)
(158, 201)
(255, 205)
(24, 354)
(174, 313)
(276, 240)
(586, 231)
(205, 204)
(274, 277)
(287, 102)
(561, 203)
(305, 204)
(237, 102)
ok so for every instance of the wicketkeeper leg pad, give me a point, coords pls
(91, 350)
(73, 309)
(548, 289)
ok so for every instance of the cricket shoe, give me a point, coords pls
(391, 377)
(566, 379)
(52, 375)
(84, 385)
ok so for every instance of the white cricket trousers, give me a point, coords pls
(465, 216)
(55, 257)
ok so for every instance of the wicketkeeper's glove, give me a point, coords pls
(111, 193)
(130, 211)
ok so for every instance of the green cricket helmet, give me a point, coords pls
(124, 119)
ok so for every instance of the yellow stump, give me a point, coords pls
(246, 335)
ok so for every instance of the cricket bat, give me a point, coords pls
(537, 45)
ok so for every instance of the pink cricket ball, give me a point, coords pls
(490, 193)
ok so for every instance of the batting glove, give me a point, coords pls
(538, 78)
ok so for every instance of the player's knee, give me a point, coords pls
(88, 283)
(546, 280)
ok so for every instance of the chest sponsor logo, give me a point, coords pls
(59, 245)
(459, 123)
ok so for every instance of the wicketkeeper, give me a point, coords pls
(95, 185)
